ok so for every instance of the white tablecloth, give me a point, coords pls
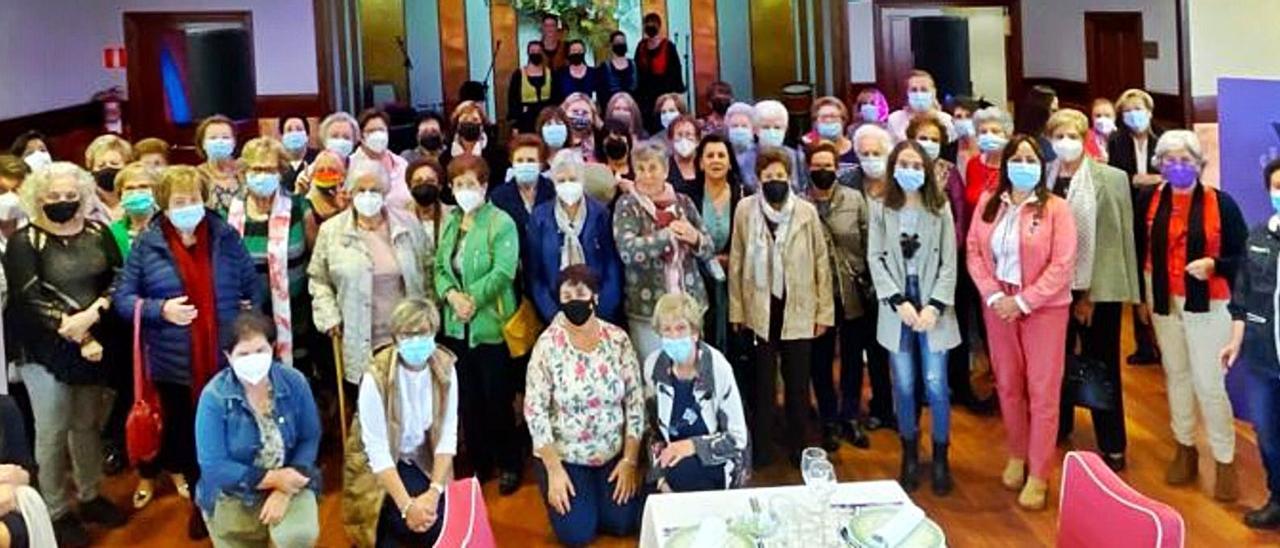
(665, 511)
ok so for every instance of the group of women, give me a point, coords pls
(632, 300)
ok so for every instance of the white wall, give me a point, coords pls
(862, 41)
(1235, 42)
(1053, 37)
(986, 52)
(51, 50)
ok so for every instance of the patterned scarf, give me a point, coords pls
(277, 267)
(673, 268)
(571, 252)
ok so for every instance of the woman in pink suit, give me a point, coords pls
(1021, 255)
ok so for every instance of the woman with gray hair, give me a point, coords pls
(740, 124)
(572, 229)
(772, 120)
(366, 259)
(60, 269)
(1192, 247)
(994, 126)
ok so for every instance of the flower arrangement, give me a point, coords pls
(590, 20)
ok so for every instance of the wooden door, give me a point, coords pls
(1113, 52)
(897, 60)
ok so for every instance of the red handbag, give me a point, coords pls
(145, 423)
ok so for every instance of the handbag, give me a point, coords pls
(521, 330)
(1088, 385)
(145, 423)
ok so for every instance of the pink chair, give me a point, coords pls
(1097, 508)
(466, 518)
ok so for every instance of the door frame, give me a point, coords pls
(1089, 18)
(1012, 41)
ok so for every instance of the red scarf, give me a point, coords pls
(654, 60)
(195, 268)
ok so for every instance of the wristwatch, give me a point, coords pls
(438, 487)
(404, 512)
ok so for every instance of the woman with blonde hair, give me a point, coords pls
(584, 120)
(668, 107)
(623, 107)
(216, 145)
(104, 158)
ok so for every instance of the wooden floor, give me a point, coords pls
(978, 513)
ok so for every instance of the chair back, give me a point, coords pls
(466, 518)
(1097, 508)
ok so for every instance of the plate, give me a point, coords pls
(867, 521)
(684, 537)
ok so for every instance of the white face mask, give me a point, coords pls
(377, 141)
(10, 207)
(368, 203)
(1068, 149)
(468, 199)
(38, 159)
(685, 147)
(873, 166)
(569, 192)
(252, 368)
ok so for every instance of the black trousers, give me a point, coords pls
(392, 530)
(1100, 341)
(856, 337)
(794, 358)
(958, 362)
(485, 396)
(178, 439)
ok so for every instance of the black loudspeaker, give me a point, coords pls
(940, 45)
(220, 73)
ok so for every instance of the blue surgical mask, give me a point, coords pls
(869, 112)
(1024, 176)
(741, 137)
(931, 148)
(262, 184)
(873, 166)
(1275, 200)
(990, 142)
(1138, 119)
(830, 130)
(294, 140)
(964, 127)
(338, 145)
(525, 173)
(554, 135)
(186, 218)
(416, 350)
(218, 149)
(667, 118)
(138, 202)
(920, 100)
(909, 178)
(680, 350)
(772, 136)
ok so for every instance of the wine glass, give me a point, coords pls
(820, 479)
(811, 455)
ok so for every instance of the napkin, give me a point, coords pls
(713, 533)
(896, 530)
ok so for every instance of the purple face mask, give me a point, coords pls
(1181, 175)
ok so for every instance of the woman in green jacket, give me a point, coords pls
(475, 269)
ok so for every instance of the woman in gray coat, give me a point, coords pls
(911, 248)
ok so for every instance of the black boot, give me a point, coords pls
(1267, 517)
(910, 465)
(941, 470)
(196, 529)
(831, 436)
(855, 435)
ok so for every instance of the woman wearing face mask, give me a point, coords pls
(472, 136)
(617, 73)
(426, 178)
(408, 406)
(911, 248)
(60, 270)
(553, 127)
(661, 240)
(104, 158)
(669, 107)
(33, 148)
(366, 260)
(431, 138)
(1191, 250)
(526, 186)
(375, 136)
(615, 151)
(576, 76)
(843, 212)
(872, 108)
(780, 289)
(572, 229)
(297, 148)
(1022, 256)
(772, 120)
(587, 447)
(1106, 269)
(719, 96)
(831, 117)
(340, 132)
(624, 108)
(740, 120)
(683, 136)
(983, 172)
(922, 98)
(183, 309)
(1103, 115)
(475, 272)
(529, 89)
(12, 171)
(1033, 112)
(658, 69)
(929, 132)
(583, 121)
(325, 194)
(966, 135)
(695, 414)
(216, 145)
(257, 436)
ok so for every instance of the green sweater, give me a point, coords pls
(486, 258)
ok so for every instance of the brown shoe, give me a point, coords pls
(1184, 467)
(1225, 487)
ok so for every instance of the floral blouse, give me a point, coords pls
(584, 402)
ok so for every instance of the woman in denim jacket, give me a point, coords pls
(257, 434)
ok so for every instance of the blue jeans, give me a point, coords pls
(913, 350)
(591, 509)
(1264, 399)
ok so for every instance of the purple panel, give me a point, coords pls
(1249, 137)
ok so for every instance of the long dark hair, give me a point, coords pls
(894, 197)
(735, 171)
(1042, 189)
(1035, 110)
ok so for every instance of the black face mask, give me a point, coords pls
(425, 195)
(535, 58)
(775, 191)
(651, 30)
(580, 122)
(61, 212)
(720, 105)
(615, 149)
(822, 178)
(469, 131)
(577, 311)
(106, 178)
(431, 141)
(620, 49)
(577, 58)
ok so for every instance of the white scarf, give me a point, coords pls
(277, 267)
(1083, 199)
(36, 515)
(773, 267)
(571, 252)
(457, 149)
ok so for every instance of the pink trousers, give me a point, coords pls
(1027, 358)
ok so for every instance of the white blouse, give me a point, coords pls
(416, 415)
(1006, 244)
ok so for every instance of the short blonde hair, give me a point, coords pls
(677, 97)
(137, 170)
(829, 101)
(216, 119)
(1068, 117)
(151, 145)
(180, 179)
(675, 307)
(38, 183)
(649, 151)
(414, 314)
(339, 118)
(1134, 94)
(466, 107)
(259, 148)
(104, 144)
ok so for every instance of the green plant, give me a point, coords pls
(590, 20)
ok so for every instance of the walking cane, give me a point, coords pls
(338, 367)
